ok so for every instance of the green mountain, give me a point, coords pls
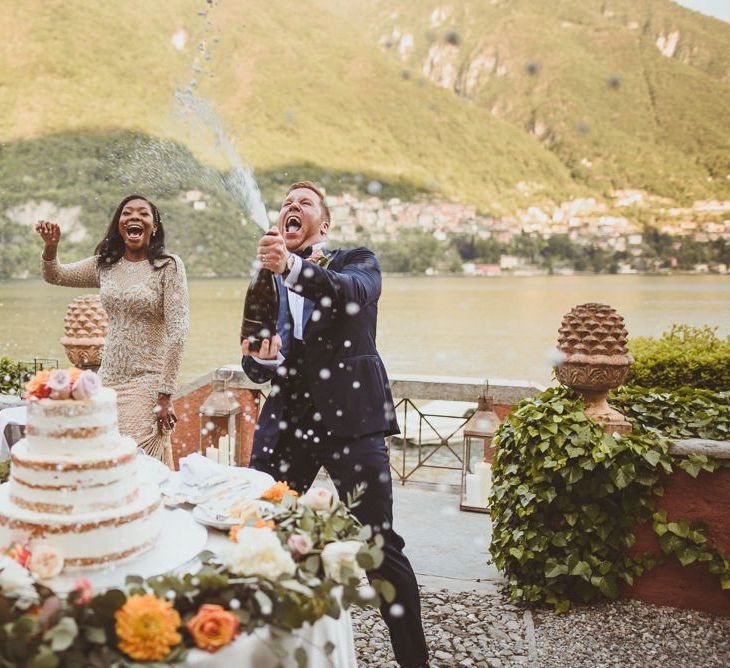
(499, 103)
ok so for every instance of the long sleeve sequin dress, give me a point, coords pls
(148, 311)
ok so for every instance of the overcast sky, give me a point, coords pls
(717, 8)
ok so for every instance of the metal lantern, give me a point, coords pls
(476, 466)
(220, 426)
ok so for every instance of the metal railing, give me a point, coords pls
(429, 447)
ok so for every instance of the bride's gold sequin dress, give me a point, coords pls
(148, 322)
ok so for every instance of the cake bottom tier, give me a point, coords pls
(89, 539)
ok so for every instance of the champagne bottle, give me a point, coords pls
(260, 309)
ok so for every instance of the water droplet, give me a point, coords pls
(396, 610)
(367, 593)
(374, 188)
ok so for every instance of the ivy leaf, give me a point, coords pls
(653, 457)
(581, 569)
(554, 569)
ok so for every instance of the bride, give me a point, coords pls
(144, 292)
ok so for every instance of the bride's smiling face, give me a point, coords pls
(136, 224)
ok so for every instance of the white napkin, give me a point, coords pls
(196, 470)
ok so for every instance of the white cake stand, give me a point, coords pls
(181, 540)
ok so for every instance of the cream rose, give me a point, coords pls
(45, 562)
(258, 552)
(300, 544)
(16, 582)
(86, 385)
(317, 498)
(342, 555)
(59, 383)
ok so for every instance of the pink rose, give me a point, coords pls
(45, 562)
(59, 383)
(300, 544)
(86, 385)
(317, 498)
(84, 590)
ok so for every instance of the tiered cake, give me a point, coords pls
(74, 485)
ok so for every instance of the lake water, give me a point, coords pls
(446, 326)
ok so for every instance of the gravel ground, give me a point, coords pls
(485, 631)
(630, 633)
(462, 629)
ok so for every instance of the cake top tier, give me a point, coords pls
(103, 403)
(69, 394)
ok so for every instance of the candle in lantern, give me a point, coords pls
(224, 454)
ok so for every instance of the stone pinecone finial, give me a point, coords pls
(591, 330)
(85, 328)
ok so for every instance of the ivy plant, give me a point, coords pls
(567, 496)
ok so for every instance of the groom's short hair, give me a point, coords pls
(310, 186)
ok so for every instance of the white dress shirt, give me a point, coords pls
(296, 304)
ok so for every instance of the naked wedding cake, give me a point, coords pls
(73, 482)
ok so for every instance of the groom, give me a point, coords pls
(330, 403)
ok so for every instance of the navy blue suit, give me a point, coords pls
(331, 406)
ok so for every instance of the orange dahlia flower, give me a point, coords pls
(277, 491)
(38, 385)
(213, 627)
(147, 627)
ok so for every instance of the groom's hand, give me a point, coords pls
(272, 252)
(269, 348)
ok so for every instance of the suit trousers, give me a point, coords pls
(304, 446)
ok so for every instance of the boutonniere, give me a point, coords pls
(320, 258)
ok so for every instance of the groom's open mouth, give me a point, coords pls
(293, 224)
(134, 231)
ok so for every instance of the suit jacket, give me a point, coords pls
(337, 363)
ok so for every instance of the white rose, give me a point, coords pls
(16, 582)
(45, 562)
(258, 552)
(340, 555)
(317, 498)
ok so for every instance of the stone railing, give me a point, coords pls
(430, 444)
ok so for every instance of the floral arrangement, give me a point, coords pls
(293, 561)
(63, 384)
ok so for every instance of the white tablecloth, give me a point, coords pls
(262, 649)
